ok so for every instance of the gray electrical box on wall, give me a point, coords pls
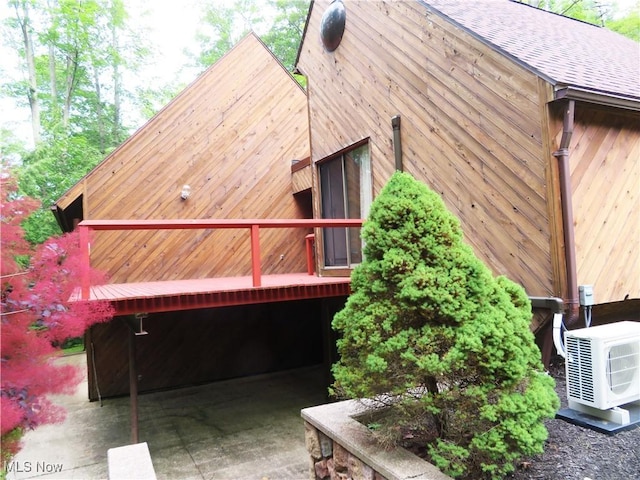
(586, 295)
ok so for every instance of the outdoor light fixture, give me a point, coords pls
(186, 192)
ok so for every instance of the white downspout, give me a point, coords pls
(556, 305)
(557, 334)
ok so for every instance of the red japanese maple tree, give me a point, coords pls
(36, 319)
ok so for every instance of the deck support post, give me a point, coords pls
(255, 255)
(309, 241)
(133, 386)
(85, 286)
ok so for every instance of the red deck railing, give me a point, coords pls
(253, 225)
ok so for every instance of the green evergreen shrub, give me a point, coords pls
(429, 330)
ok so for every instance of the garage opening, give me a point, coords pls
(194, 347)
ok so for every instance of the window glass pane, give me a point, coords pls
(352, 174)
(358, 175)
(345, 184)
(362, 158)
(333, 206)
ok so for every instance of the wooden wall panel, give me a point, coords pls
(471, 125)
(301, 180)
(604, 159)
(231, 136)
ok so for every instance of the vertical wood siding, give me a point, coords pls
(231, 136)
(605, 179)
(471, 125)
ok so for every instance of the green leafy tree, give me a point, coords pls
(629, 25)
(49, 171)
(73, 54)
(430, 331)
(279, 23)
(225, 24)
(598, 13)
(12, 149)
(284, 37)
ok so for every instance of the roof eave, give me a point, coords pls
(304, 34)
(599, 98)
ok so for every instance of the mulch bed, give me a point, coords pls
(571, 452)
(576, 453)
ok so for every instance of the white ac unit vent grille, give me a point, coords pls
(623, 363)
(580, 371)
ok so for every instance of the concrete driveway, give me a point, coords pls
(247, 428)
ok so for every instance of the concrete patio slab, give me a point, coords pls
(241, 429)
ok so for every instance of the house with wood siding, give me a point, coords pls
(526, 122)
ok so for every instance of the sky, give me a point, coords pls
(171, 28)
(171, 33)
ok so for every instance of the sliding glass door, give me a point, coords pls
(345, 186)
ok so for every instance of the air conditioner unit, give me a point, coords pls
(603, 369)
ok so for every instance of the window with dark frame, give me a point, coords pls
(346, 191)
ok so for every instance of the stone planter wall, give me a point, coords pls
(330, 460)
(341, 448)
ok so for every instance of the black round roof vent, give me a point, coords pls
(332, 25)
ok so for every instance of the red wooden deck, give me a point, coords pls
(171, 295)
(164, 296)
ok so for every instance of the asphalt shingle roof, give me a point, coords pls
(566, 52)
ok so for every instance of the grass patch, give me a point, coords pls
(73, 350)
(73, 345)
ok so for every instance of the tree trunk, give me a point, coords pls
(99, 112)
(32, 92)
(52, 79)
(53, 86)
(439, 419)
(72, 70)
(116, 85)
